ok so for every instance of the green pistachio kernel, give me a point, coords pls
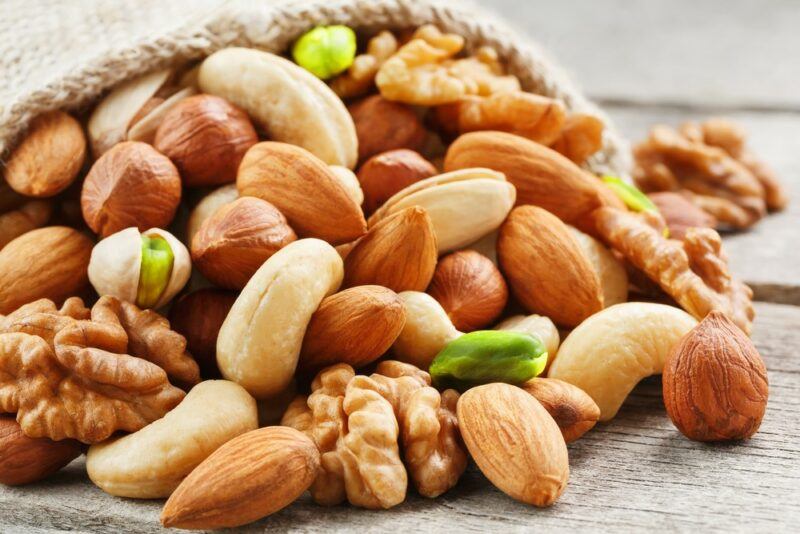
(488, 356)
(157, 260)
(325, 51)
(630, 195)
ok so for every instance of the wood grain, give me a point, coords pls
(634, 473)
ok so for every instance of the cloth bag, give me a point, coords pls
(64, 55)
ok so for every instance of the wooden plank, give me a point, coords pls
(634, 473)
(766, 256)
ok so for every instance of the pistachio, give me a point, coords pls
(326, 51)
(630, 194)
(488, 356)
(156, 267)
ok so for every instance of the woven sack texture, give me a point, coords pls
(56, 54)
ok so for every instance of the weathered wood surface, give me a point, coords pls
(634, 473)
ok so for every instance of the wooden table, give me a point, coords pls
(646, 62)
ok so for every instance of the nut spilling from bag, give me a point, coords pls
(368, 261)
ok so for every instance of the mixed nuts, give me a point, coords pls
(396, 235)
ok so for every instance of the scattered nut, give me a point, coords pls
(130, 185)
(580, 137)
(360, 77)
(31, 215)
(325, 51)
(382, 125)
(715, 383)
(152, 462)
(49, 157)
(610, 271)
(24, 460)
(427, 330)
(384, 174)
(573, 410)
(537, 326)
(207, 206)
(349, 181)
(237, 239)
(206, 138)
(680, 213)
(611, 351)
(470, 289)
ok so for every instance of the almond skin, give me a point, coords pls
(470, 289)
(384, 174)
(250, 477)
(542, 176)
(573, 409)
(237, 239)
(715, 382)
(355, 326)
(49, 262)
(546, 268)
(680, 213)
(24, 460)
(398, 252)
(49, 158)
(514, 442)
(304, 189)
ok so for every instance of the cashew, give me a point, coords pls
(259, 342)
(610, 271)
(287, 101)
(150, 463)
(611, 351)
(426, 332)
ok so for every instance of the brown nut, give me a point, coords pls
(314, 200)
(383, 125)
(24, 460)
(130, 185)
(470, 288)
(680, 213)
(49, 158)
(355, 326)
(29, 216)
(573, 409)
(198, 316)
(234, 242)
(384, 174)
(715, 383)
(398, 252)
(206, 138)
(49, 262)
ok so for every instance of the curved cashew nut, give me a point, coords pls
(611, 351)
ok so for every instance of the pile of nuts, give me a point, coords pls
(359, 295)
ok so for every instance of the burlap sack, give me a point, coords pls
(64, 55)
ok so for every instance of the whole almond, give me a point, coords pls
(573, 409)
(49, 158)
(49, 262)
(304, 189)
(355, 326)
(398, 252)
(470, 288)
(250, 477)
(384, 174)
(515, 443)
(546, 268)
(542, 176)
(680, 213)
(24, 460)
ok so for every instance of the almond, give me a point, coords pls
(573, 409)
(514, 442)
(546, 268)
(680, 213)
(49, 158)
(304, 189)
(399, 252)
(49, 262)
(542, 176)
(355, 326)
(250, 477)
(24, 460)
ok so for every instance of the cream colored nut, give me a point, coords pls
(426, 332)
(611, 351)
(350, 182)
(260, 341)
(287, 101)
(115, 267)
(535, 325)
(144, 129)
(610, 271)
(207, 206)
(463, 205)
(151, 463)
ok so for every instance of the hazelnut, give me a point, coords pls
(384, 174)
(206, 137)
(715, 383)
(237, 239)
(147, 269)
(130, 185)
(383, 125)
(207, 206)
(470, 288)
(198, 316)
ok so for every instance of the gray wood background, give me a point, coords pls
(646, 62)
